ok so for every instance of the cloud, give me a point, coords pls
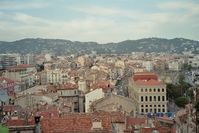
(176, 5)
(96, 10)
(14, 5)
(105, 24)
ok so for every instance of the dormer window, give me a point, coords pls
(97, 124)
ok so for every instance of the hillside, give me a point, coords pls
(60, 47)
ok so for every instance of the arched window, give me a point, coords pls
(146, 98)
(150, 98)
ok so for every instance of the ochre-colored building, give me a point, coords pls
(148, 92)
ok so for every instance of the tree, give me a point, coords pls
(173, 91)
(184, 86)
(181, 101)
(187, 67)
(39, 67)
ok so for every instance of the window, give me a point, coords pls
(155, 110)
(158, 105)
(97, 125)
(158, 98)
(146, 105)
(141, 89)
(162, 98)
(142, 105)
(142, 99)
(154, 90)
(163, 105)
(146, 90)
(151, 110)
(158, 89)
(150, 105)
(154, 105)
(159, 110)
(163, 110)
(146, 110)
(146, 98)
(150, 98)
(142, 110)
(154, 98)
(162, 89)
(150, 90)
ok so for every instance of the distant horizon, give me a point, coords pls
(98, 21)
(96, 41)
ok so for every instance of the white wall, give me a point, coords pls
(92, 96)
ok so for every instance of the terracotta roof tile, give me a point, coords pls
(19, 122)
(21, 66)
(150, 82)
(76, 122)
(144, 76)
(102, 84)
(68, 86)
(6, 79)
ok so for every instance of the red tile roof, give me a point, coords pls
(117, 117)
(6, 79)
(102, 84)
(19, 122)
(68, 86)
(49, 114)
(132, 121)
(21, 66)
(150, 82)
(10, 108)
(76, 123)
(144, 76)
(146, 130)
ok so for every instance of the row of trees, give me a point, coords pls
(180, 93)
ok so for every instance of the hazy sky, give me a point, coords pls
(98, 20)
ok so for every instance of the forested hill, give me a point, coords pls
(63, 47)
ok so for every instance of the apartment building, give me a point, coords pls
(148, 92)
(56, 76)
(23, 74)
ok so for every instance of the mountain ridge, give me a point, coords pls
(62, 46)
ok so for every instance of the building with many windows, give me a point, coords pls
(8, 60)
(56, 76)
(23, 74)
(148, 92)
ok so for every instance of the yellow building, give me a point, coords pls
(148, 92)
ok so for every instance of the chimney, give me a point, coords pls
(37, 124)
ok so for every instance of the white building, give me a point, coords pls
(174, 66)
(194, 62)
(23, 74)
(48, 57)
(93, 96)
(56, 76)
(148, 65)
(82, 85)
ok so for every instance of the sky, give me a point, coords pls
(98, 20)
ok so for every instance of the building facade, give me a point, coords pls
(56, 76)
(70, 93)
(23, 74)
(93, 96)
(148, 92)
